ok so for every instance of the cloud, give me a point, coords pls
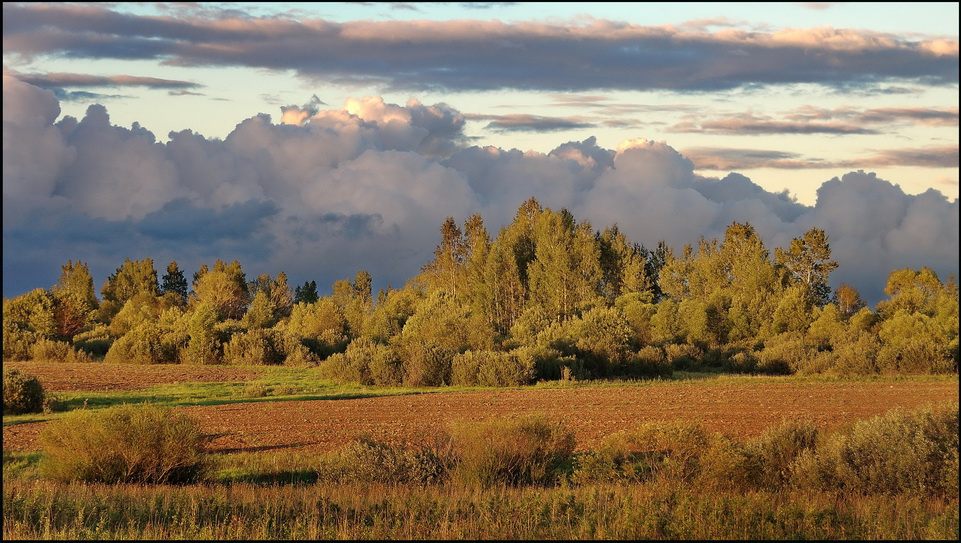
(484, 55)
(530, 123)
(711, 158)
(368, 184)
(86, 80)
(750, 124)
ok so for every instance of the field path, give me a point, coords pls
(734, 407)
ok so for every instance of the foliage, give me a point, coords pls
(523, 451)
(369, 461)
(124, 444)
(22, 393)
(899, 452)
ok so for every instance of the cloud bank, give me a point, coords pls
(327, 191)
(484, 55)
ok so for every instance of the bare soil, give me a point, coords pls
(738, 409)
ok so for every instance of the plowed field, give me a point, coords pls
(739, 408)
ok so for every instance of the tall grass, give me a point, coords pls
(50, 510)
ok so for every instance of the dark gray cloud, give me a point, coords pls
(367, 186)
(484, 55)
(521, 122)
(60, 80)
(710, 158)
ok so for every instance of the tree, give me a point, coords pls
(174, 283)
(809, 262)
(307, 293)
(75, 278)
(74, 299)
(848, 299)
(134, 277)
(202, 348)
(448, 269)
(223, 293)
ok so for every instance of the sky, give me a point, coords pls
(319, 139)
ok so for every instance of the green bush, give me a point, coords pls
(57, 351)
(124, 444)
(22, 393)
(771, 455)
(144, 344)
(95, 342)
(899, 452)
(255, 347)
(369, 461)
(17, 339)
(530, 450)
(667, 451)
(490, 369)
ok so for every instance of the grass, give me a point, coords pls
(47, 510)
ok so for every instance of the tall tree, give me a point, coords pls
(74, 299)
(174, 282)
(134, 277)
(306, 293)
(809, 262)
(848, 299)
(447, 271)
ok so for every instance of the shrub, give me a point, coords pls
(648, 361)
(95, 342)
(144, 344)
(785, 353)
(667, 451)
(124, 444)
(22, 393)
(366, 460)
(899, 452)
(17, 340)
(427, 363)
(530, 450)
(490, 368)
(255, 347)
(57, 351)
(771, 455)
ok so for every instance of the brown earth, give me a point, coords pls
(736, 408)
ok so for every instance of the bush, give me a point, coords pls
(95, 342)
(530, 450)
(17, 340)
(899, 452)
(22, 393)
(490, 369)
(145, 344)
(771, 455)
(255, 347)
(57, 351)
(124, 444)
(366, 460)
(667, 451)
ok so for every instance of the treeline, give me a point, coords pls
(547, 298)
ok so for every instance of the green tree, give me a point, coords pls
(134, 277)
(224, 290)
(447, 271)
(848, 299)
(75, 279)
(809, 262)
(203, 345)
(565, 276)
(174, 283)
(306, 293)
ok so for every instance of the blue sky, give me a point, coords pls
(322, 138)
